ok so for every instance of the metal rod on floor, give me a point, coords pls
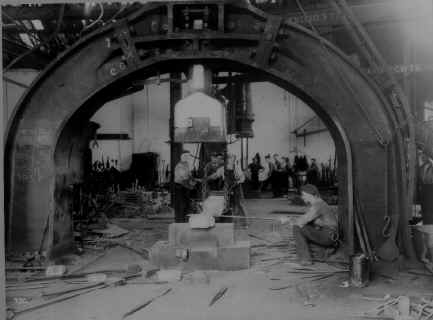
(252, 218)
(243, 217)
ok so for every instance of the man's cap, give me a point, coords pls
(185, 151)
(311, 189)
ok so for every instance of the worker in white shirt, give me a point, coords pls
(318, 225)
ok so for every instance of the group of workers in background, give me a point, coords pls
(275, 173)
(278, 173)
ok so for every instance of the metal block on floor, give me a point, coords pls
(181, 235)
(234, 257)
(241, 235)
(163, 255)
(203, 258)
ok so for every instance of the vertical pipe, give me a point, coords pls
(349, 186)
(2, 224)
(242, 153)
(175, 95)
(246, 157)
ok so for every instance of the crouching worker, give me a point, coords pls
(318, 225)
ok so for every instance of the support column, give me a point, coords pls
(246, 155)
(175, 148)
(2, 230)
(242, 154)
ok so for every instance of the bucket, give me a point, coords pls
(359, 271)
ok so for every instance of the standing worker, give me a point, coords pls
(276, 176)
(184, 183)
(268, 172)
(313, 173)
(234, 178)
(255, 168)
(209, 170)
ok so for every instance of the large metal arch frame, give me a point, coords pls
(369, 146)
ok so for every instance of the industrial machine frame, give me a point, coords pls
(45, 137)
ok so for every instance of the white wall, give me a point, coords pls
(317, 145)
(115, 117)
(144, 116)
(271, 131)
(278, 113)
(151, 112)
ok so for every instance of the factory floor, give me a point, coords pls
(275, 287)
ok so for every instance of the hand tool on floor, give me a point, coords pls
(218, 296)
(252, 218)
(12, 313)
(61, 292)
(143, 305)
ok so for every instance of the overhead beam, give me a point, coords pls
(304, 124)
(366, 12)
(374, 12)
(309, 133)
(19, 84)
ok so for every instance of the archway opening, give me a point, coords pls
(107, 60)
(127, 98)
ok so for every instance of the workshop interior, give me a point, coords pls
(262, 156)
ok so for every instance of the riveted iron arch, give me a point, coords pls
(227, 35)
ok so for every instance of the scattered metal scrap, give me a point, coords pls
(63, 295)
(218, 296)
(145, 304)
(401, 308)
(11, 314)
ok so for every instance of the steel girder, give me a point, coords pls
(231, 36)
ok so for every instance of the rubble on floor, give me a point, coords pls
(116, 262)
(401, 308)
(140, 203)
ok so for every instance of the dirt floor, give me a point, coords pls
(275, 287)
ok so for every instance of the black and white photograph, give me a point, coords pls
(216, 159)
